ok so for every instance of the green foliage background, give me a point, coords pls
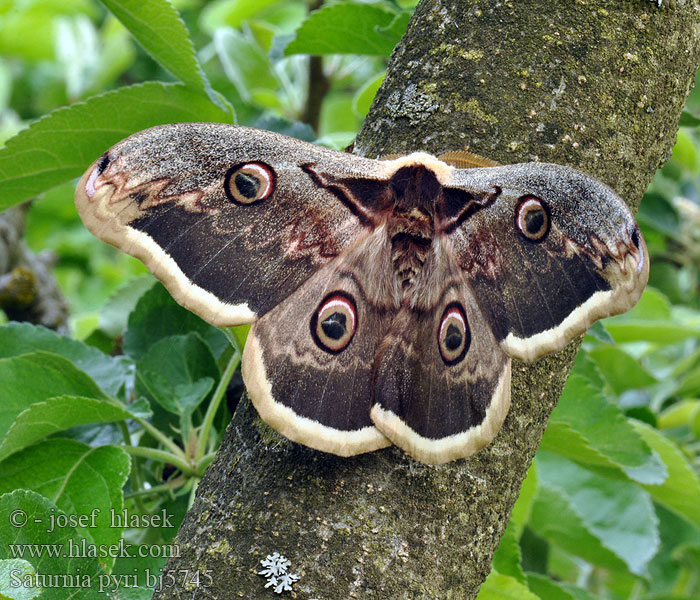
(127, 411)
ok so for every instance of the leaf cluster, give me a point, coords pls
(84, 432)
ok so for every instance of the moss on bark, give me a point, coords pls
(595, 84)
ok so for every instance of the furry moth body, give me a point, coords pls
(388, 297)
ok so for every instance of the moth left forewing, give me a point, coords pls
(171, 196)
(555, 251)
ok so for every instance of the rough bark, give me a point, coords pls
(595, 84)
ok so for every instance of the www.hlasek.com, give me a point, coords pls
(83, 549)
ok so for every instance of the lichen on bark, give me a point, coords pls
(595, 84)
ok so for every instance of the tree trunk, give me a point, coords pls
(595, 84)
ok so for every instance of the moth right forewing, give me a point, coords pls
(554, 251)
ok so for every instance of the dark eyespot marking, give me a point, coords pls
(334, 322)
(249, 182)
(453, 336)
(532, 218)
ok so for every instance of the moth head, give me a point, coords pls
(454, 336)
(533, 218)
(247, 183)
(334, 322)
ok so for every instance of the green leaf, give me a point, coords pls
(178, 371)
(618, 513)
(21, 338)
(76, 49)
(12, 572)
(665, 571)
(621, 371)
(27, 34)
(78, 479)
(503, 587)
(337, 116)
(688, 119)
(507, 558)
(33, 534)
(117, 54)
(157, 26)
(544, 587)
(563, 439)
(604, 435)
(295, 129)
(598, 331)
(548, 589)
(231, 12)
(523, 505)
(115, 313)
(577, 593)
(61, 145)
(240, 333)
(689, 555)
(362, 100)
(659, 332)
(245, 63)
(136, 593)
(585, 367)
(652, 306)
(680, 414)
(653, 320)
(657, 212)
(690, 384)
(685, 151)
(349, 28)
(555, 519)
(157, 316)
(36, 377)
(56, 414)
(680, 492)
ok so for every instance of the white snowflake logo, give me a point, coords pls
(275, 572)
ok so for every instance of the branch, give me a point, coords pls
(28, 291)
(319, 84)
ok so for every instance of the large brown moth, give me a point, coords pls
(388, 297)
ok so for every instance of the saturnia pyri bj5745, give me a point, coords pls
(388, 296)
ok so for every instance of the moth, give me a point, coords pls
(388, 296)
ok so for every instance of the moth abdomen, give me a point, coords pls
(408, 253)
